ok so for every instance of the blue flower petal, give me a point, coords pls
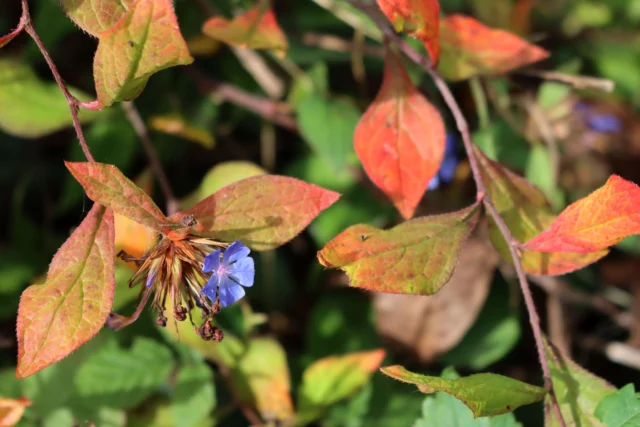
(434, 183)
(450, 147)
(604, 123)
(212, 262)
(211, 287)
(150, 278)
(235, 252)
(448, 169)
(243, 272)
(230, 294)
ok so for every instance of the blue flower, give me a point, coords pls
(229, 274)
(448, 166)
(599, 122)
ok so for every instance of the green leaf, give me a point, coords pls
(484, 394)
(263, 211)
(415, 257)
(620, 409)
(105, 184)
(122, 378)
(540, 172)
(57, 317)
(314, 82)
(332, 379)
(30, 107)
(193, 397)
(578, 391)
(328, 126)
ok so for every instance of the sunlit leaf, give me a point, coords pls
(332, 379)
(263, 211)
(400, 139)
(578, 391)
(484, 394)
(105, 184)
(30, 107)
(175, 125)
(415, 257)
(469, 48)
(602, 219)
(257, 28)
(11, 410)
(526, 212)
(620, 409)
(96, 16)
(418, 18)
(72, 305)
(145, 40)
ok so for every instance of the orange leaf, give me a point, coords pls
(400, 139)
(416, 257)
(11, 410)
(526, 212)
(418, 18)
(144, 41)
(257, 28)
(602, 219)
(57, 317)
(470, 48)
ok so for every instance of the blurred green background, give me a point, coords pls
(297, 313)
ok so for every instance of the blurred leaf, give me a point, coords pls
(122, 378)
(30, 107)
(492, 336)
(257, 28)
(132, 237)
(613, 61)
(314, 82)
(11, 410)
(105, 184)
(178, 126)
(526, 212)
(334, 142)
(470, 48)
(332, 379)
(502, 144)
(263, 211)
(578, 391)
(602, 219)
(444, 410)
(484, 394)
(400, 139)
(57, 317)
(409, 258)
(540, 172)
(124, 294)
(193, 397)
(220, 176)
(620, 409)
(201, 45)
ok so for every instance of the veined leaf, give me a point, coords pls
(418, 18)
(263, 211)
(484, 394)
(57, 317)
(602, 219)
(469, 48)
(105, 184)
(415, 257)
(257, 28)
(400, 139)
(96, 16)
(620, 409)
(526, 212)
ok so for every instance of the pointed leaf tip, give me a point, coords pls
(415, 257)
(57, 317)
(263, 211)
(400, 139)
(602, 219)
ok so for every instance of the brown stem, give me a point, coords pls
(71, 100)
(141, 130)
(463, 128)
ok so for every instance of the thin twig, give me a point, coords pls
(463, 128)
(142, 131)
(266, 108)
(578, 82)
(73, 102)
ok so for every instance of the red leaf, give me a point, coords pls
(400, 139)
(526, 212)
(415, 257)
(57, 317)
(4, 40)
(257, 28)
(105, 184)
(602, 219)
(263, 211)
(470, 48)
(418, 18)
(144, 41)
